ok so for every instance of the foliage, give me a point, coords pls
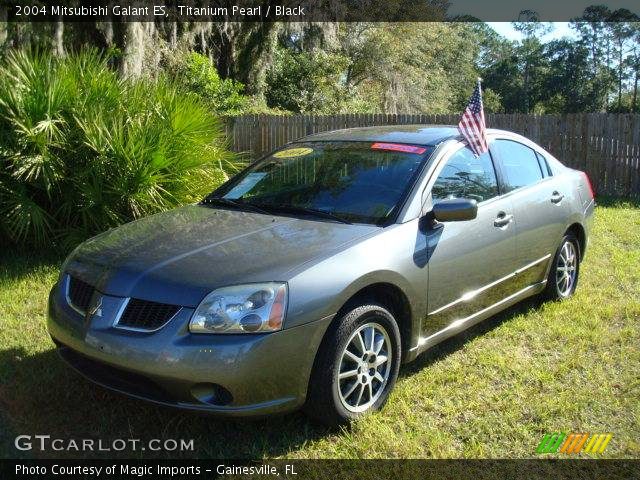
(413, 68)
(82, 150)
(306, 81)
(570, 82)
(491, 101)
(321, 67)
(197, 74)
(367, 67)
(594, 72)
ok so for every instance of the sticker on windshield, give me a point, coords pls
(293, 152)
(398, 147)
(246, 184)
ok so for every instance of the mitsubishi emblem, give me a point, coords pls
(96, 309)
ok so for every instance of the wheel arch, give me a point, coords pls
(578, 230)
(389, 296)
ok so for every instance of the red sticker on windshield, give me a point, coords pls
(398, 147)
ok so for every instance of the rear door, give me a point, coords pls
(538, 205)
(470, 261)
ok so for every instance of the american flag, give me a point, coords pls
(472, 125)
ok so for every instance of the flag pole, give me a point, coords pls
(480, 92)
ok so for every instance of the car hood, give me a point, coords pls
(181, 255)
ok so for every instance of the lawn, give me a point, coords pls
(493, 392)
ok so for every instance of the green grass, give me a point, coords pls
(493, 392)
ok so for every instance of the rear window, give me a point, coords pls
(361, 182)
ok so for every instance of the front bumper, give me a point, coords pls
(246, 374)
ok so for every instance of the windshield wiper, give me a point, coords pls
(227, 202)
(282, 207)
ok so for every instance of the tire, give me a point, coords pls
(329, 399)
(559, 286)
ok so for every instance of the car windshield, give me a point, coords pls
(360, 182)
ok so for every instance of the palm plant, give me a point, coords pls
(82, 150)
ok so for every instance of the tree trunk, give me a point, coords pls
(635, 93)
(173, 37)
(526, 87)
(620, 77)
(256, 54)
(58, 39)
(109, 36)
(134, 50)
(227, 39)
(4, 27)
(608, 64)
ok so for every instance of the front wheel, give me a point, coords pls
(563, 276)
(356, 367)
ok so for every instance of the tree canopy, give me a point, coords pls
(329, 67)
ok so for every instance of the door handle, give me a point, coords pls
(556, 197)
(502, 220)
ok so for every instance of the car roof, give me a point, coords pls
(430, 135)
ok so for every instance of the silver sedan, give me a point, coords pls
(307, 279)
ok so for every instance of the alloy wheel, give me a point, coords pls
(365, 367)
(566, 269)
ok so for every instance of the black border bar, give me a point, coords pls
(304, 10)
(529, 469)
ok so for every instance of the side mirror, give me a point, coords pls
(455, 210)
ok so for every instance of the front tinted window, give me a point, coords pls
(520, 164)
(466, 176)
(351, 180)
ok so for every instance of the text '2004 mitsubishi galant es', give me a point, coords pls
(308, 278)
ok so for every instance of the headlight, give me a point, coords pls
(252, 308)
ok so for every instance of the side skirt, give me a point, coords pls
(464, 323)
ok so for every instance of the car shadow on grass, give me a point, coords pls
(42, 396)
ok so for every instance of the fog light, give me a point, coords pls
(211, 393)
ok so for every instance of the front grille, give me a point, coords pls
(145, 315)
(79, 293)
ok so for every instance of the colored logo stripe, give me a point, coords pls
(550, 442)
(598, 443)
(574, 443)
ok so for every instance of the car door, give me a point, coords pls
(538, 207)
(470, 262)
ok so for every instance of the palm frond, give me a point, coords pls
(82, 150)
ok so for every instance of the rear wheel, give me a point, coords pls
(563, 276)
(356, 367)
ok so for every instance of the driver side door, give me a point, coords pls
(469, 261)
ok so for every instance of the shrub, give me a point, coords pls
(304, 82)
(197, 74)
(82, 150)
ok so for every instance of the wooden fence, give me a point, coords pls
(606, 146)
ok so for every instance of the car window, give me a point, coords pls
(544, 165)
(360, 182)
(466, 176)
(519, 162)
